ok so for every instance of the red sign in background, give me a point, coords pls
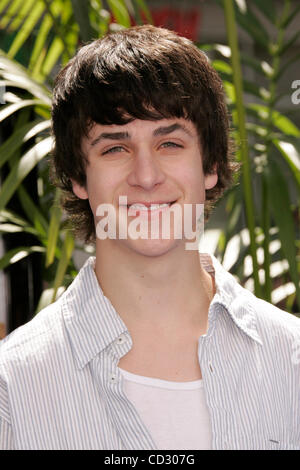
(185, 22)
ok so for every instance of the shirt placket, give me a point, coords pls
(123, 415)
(213, 383)
(224, 388)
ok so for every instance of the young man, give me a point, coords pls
(153, 346)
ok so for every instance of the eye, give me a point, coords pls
(115, 149)
(170, 144)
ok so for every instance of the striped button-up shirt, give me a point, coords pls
(60, 386)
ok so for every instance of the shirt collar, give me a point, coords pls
(237, 301)
(92, 322)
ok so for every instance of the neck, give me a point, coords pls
(171, 289)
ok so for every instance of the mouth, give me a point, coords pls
(149, 206)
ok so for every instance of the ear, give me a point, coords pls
(211, 179)
(79, 191)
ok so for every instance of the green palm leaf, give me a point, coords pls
(291, 156)
(20, 136)
(22, 167)
(26, 28)
(15, 255)
(33, 212)
(14, 7)
(26, 8)
(65, 257)
(54, 227)
(280, 206)
(267, 8)
(120, 12)
(16, 75)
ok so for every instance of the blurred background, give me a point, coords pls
(254, 230)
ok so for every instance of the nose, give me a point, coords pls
(146, 170)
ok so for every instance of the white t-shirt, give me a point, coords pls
(174, 412)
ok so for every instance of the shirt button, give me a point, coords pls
(113, 378)
(121, 339)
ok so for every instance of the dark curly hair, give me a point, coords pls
(143, 72)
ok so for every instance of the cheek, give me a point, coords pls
(192, 180)
(102, 186)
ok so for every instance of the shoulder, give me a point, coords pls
(279, 330)
(272, 319)
(32, 339)
(45, 338)
(25, 351)
(267, 317)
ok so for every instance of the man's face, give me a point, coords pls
(156, 163)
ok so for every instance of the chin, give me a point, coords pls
(153, 248)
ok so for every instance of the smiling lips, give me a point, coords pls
(147, 207)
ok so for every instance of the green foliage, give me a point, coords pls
(52, 31)
(262, 225)
(268, 148)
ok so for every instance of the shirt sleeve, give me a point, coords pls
(6, 438)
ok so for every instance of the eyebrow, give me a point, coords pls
(160, 131)
(168, 129)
